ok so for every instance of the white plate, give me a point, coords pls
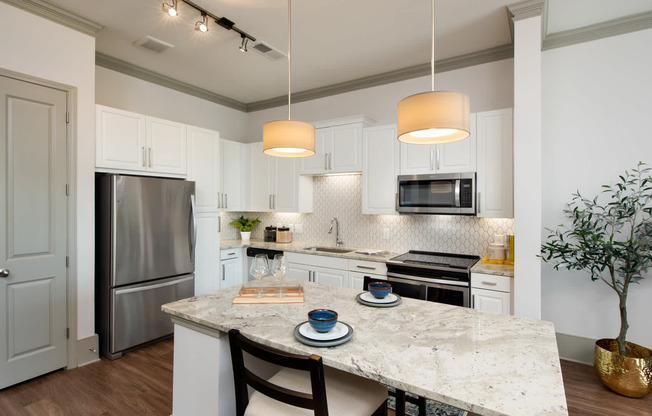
(338, 331)
(368, 297)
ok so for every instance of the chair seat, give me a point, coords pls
(347, 395)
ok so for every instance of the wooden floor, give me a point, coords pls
(140, 383)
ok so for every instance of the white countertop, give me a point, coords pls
(486, 363)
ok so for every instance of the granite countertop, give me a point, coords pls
(300, 247)
(485, 363)
(495, 269)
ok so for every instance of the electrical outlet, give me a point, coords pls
(386, 233)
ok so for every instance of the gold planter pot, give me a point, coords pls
(630, 376)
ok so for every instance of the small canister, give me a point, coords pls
(283, 235)
(496, 251)
(270, 234)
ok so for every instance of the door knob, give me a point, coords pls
(4, 273)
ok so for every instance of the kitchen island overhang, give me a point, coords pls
(485, 363)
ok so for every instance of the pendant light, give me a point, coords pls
(289, 138)
(435, 116)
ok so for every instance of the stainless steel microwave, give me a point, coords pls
(443, 193)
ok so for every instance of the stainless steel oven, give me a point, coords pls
(446, 276)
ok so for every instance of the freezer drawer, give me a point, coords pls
(136, 315)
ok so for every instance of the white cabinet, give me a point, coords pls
(231, 262)
(453, 157)
(232, 195)
(207, 253)
(204, 167)
(338, 147)
(495, 197)
(275, 184)
(320, 269)
(359, 269)
(380, 165)
(134, 142)
(491, 293)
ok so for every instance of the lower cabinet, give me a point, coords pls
(320, 269)
(207, 253)
(491, 293)
(231, 267)
(359, 269)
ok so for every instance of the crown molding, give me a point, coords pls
(597, 31)
(477, 58)
(115, 64)
(526, 9)
(58, 15)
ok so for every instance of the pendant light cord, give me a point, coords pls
(289, 57)
(432, 45)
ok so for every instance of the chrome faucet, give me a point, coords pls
(338, 242)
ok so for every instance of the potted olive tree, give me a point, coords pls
(610, 237)
(245, 225)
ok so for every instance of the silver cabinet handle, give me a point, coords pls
(472, 301)
(432, 160)
(366, 267)
(150, 157)
(270, 201)
(437, 159)
(222, 272)
(325, 161)
(5, 273)
(489, 283)
(144, 155)
(226, 201)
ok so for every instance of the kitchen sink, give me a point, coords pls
(329, 249)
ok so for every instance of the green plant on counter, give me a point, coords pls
(245, 224)
(612, 240)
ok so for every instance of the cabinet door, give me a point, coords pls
(316, 164)
(232, 167)
(204, 167)
(332, 277)
(262, 169)
(300, 272)
(166, 146)
(458, 156)
(491, 301)
(120, 139)
(286, 197)
(207, 253)
(379, 170)
(231, 272)
(417, 158)
(495, 164)
(346, 149)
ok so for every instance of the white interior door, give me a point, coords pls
(33, 226)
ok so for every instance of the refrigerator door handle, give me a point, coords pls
(193, 243)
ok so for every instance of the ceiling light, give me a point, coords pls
(435, 116)
(243, 45)
(202, 25)
(171, 8)
(289, 138)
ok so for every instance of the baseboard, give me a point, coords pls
(87, 350)
(574, 348)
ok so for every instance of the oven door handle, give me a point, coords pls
(411, 279)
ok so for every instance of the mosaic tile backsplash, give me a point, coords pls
(340, 197)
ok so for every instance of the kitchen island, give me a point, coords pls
(486, 363)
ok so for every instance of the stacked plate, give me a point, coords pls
(388, 301)
(341, 333)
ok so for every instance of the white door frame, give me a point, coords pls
(71, 145)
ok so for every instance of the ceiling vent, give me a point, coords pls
(153, 44)
(269, 51)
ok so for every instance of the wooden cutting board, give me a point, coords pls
(249, 295)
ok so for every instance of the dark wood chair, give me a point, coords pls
(302, 383)
(413, 291)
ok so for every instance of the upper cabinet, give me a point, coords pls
(453, 157)
(232, 194)
(203, 155)
(495, 197)
(380, 150)
(130, 141)
(338, 147)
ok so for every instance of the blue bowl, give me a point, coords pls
(380, 289)
(322, 320)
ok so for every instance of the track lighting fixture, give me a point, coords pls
(171, 8)
(243, 45)
(202, 25)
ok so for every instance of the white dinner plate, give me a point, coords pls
(338, 331)
(368, 297)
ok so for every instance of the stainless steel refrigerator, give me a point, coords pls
(145, 248)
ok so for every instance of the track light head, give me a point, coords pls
(171, 8)
(243, 45)
(202, 25)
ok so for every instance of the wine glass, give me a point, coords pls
(259, 268)
(279, 269)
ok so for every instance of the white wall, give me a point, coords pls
(40, 48)
(596, 110)
(118, 90)
(489, 86)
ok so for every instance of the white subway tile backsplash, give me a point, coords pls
(340, 197)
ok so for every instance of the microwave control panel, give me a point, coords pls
(466, 193)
